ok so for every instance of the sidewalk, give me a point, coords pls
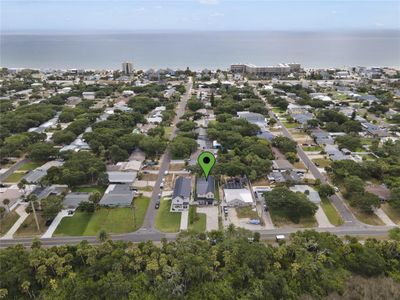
(22, 216)
(384, 217)
(184, 220)
(54, 224)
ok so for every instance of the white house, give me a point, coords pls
(181, 194)
(238, 197)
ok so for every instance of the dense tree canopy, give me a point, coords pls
(224, 266)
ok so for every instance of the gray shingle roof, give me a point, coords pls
(204, 186)
(182, 187)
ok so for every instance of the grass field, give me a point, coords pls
(167, 221)
(277, 110)
(29, 228)
(112, 220)
(30, 166)
(322, 162)
(168, 131)
(198, 225)
(15, 177)
(280, 220)
(312, 148)
(370, 219)
(246, 212)
(89, 189)
(7, 222)
(331, 212)
(393, 214)
(290, 125)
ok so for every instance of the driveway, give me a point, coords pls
(212, 216)
(322, 219)
(53, 226)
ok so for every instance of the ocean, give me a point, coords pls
(199, 50)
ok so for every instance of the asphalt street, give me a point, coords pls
(347, 216)
(148, 223)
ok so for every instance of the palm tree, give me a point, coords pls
(6, 202)
(103, 236)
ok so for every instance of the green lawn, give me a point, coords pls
(370, 219)
(89, 189)
(15, 177)
(30, 166)
(8, 221)
(199, 225)
(290, 125)
(331, 212)
(168, 131)
(167, 221)
(393, 214)
(277, 110)
(312, 148)
(322, 163)
(112, 220)
(281, 220)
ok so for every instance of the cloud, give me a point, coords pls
(209, 2)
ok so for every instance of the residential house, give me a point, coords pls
(121, 177)
(72, 200)
(117, 195)
(312, 194)
(205, 190)
(181, 194)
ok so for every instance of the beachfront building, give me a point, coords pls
(280, 69)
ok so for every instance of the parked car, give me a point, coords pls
(157, 206)
(166, 173)
(161, 185)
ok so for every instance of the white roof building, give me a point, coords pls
(238, 197)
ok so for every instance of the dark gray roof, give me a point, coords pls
(117, 195)
(182, 187)
(72, 200)
(34, 176)
(204, 186)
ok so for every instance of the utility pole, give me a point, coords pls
(34, 214)
(134, 213)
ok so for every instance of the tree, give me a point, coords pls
(117, 154)
(51, 206)
(354, 186)
(326, 190)
(41, 151)
(292, 205)
(152, 146)
(6, 202)
(394, 234)
(349, 142)
(102, 236)
(284, 144)
(182, 147)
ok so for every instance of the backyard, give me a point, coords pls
(167, 221)
(112, 220)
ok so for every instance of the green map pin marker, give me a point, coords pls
(206, 161)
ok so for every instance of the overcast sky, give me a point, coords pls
(130, 15)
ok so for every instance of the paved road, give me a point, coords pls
(143, 235)
(148, 223)
(347, 216)
(13, 168)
